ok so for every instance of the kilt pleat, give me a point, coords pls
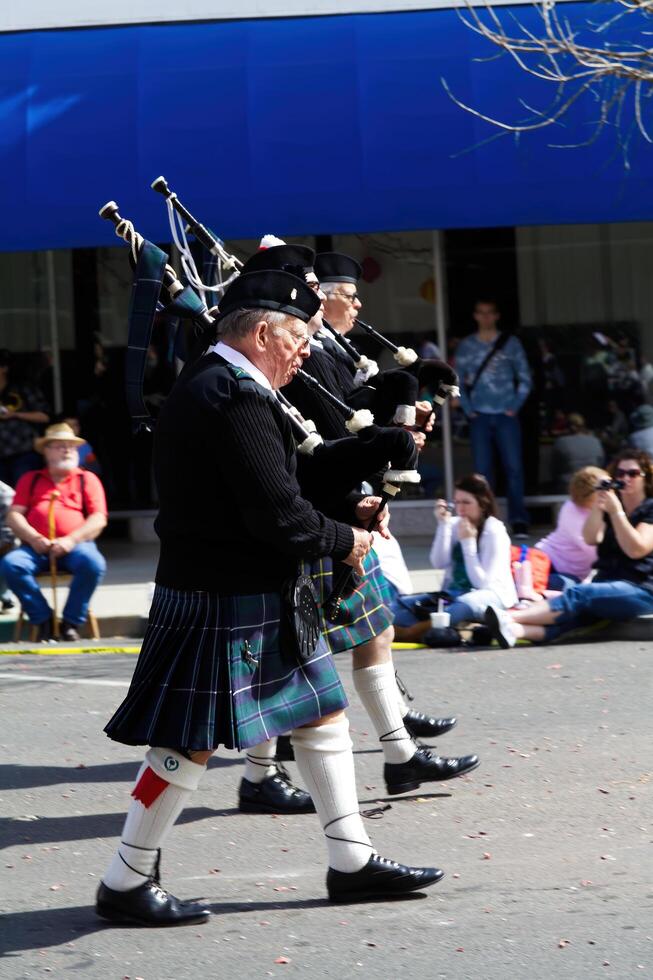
(363, 615)
(211, 672)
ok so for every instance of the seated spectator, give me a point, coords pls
(571, 558)
(620, 523)
(7, 543)
(574, 451)
(641, 424)
(474, 550)
(57, 512)
(22, 409)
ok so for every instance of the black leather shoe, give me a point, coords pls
(423, 726)
(276, 794)
(68, 631)
(147, 905)
(44, 632)
(285, 751)
(380, 878)
(425, 767)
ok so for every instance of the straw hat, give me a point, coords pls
(61, 432)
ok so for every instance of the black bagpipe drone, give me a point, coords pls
(331, 469)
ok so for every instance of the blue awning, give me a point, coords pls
(296, 126)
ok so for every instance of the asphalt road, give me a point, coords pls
(546, 847)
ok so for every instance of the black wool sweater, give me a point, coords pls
(232, 519)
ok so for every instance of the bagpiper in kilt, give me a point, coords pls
(364, 622)
(216, 666)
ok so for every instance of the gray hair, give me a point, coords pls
(240, 323)
(328, 288)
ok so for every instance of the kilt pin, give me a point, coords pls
(211, 672)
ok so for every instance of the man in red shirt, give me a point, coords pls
(57, 511)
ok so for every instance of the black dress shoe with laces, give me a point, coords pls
(285, 751)
(147, 905)
(380, 878)
(425, 767)
(423, 726)
(276, 794)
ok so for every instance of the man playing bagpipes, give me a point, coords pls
(364, 621)
(231, 655)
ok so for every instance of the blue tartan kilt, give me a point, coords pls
(363, 615)
(211, 672)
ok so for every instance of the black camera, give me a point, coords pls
(608, 484)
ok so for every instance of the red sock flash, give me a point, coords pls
(149, 787)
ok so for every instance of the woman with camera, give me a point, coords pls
(474, 549)
(620, 523)
(571, 557)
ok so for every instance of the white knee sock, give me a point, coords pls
(163, 785)
(259, 761)
(376, 686)
(326, 763)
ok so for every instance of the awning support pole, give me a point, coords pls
(440, 296)
(54, 333)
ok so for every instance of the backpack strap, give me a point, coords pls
(500, 342)
(82, 487)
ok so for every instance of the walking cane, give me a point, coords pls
(53, 564)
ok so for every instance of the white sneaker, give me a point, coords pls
(500, 627)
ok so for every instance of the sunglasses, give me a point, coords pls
(631, 473)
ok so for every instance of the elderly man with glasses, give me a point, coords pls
(220, 663)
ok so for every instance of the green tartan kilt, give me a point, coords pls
(363, 615)
(211, 672)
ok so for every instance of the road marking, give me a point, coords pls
(46, 651)
(99, 682)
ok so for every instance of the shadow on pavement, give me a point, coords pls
(43, 928)
(40, 928)
(26, 777)
(47, 830)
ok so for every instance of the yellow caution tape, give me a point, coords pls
(49, 651)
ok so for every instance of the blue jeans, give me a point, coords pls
(84, 563)
(403, 606)
(469, 607)
(581, 605)
(504, 431)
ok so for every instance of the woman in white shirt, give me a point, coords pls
(474, 550)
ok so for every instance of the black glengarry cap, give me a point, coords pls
(270, 289)
(336, 267)
(296, 259)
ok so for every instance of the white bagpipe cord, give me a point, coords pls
(188, 262)
(125, 230)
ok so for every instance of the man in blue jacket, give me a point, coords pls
(494, 382)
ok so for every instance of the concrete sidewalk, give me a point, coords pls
(121, 604)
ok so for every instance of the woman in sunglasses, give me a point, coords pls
(620, 524)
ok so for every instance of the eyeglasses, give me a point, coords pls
(351, 297)
(631, 473)
(301, 342)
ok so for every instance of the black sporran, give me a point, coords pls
(300, 618)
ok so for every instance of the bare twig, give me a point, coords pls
(619, 75)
